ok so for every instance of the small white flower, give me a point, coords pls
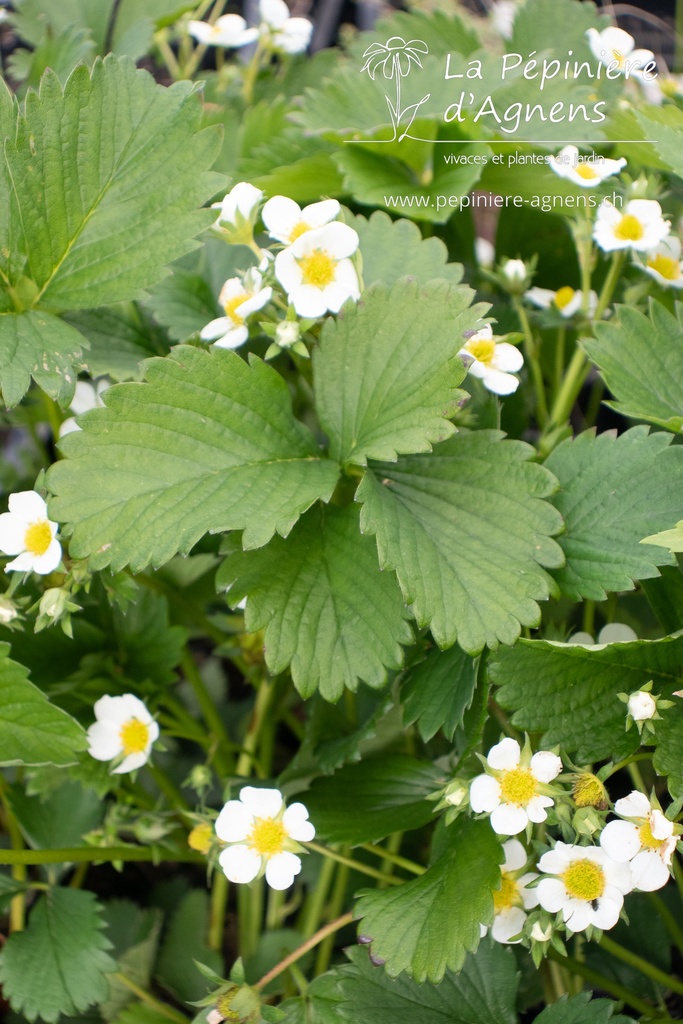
(87, 396)
(664, 263)
(514, 271)
(641, 706)
(566, 300)
(484, 252)
(239, 206)
(589, 887)
(502, 14)
(511, 792)
(494, 363)
(262, 836)
(124, 732)
(639, 226)
(229, 31)
(646, 840)
(584, 172)
(27, 532)
(291, 35)
(616, 47)
(239, 298)
(513, 899)
(316, 271)
(286, 221)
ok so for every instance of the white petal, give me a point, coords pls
(635, 805)
(507, 358)
(515, 855)
(22, 563)
(255, 302)
(484, 794)
(308, 300)
(319, 214)
(337, 239)
(234, 823)
(619, 877)
(508, 923)
(295, 820)
(280, 216)
(648, 871)
(504, 755)
(263, 803)
(274, 12)
(557, 860)
(216, 328)
(233, 338)
(12, 533)
(660, 825)
(541, 297)
(577, 914)
(536, 808)
(28, 505)
(85, 397)
(131, 763)
(240, 864)
(607, 913)
(529, 896)
(281, 869)
(104, 742)
(620, 840)
(287, 270)
(545, 766)
(552, 894)
(499, 383)
(49, 560)
(508, 820)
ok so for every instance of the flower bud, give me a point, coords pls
(53, 603)
(287, 333)
(8, 612)
(456, 793)
(641, 706)
(588, 791)
(541, 934)
(514, 271)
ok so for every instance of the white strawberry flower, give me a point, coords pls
(584, 172)
(514, 790)
(646, 840)
(263, 836)
(26, 531)
(229, 31)
(239, 298)
(567, 301)
(285, 221)
(316, 271)
(123, 732)
(641, 706)
(513, 899)
(494, 363)
(239, 206)
(587, 886)
(664, 263)
(639, 226)
(87, 396)
(514, 271)
(291, 35)
(615, 47)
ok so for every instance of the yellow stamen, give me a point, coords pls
(647, 839)
(563, 296)
(483, 349)
(134, 736)
(588, 791)
(518, 786)
(586, 172)
(584, 880)
(666, 267)
(317, 268)
(298, 230)
(38, 537)
(267, 837)
(230, 307)
(508, 894)
(629, 229)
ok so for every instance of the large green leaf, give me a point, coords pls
(327, 610)
(663, 127)
(569, 693)
(33, 731)
(318, 1005)
(38, 345)
(426, 926)
(65, 945)
(184, 943)
(668, 757)
(467, 531)
(121, 337)
(613, 492)
(208, 443)
(484, 992)
(393, 248)
(387, 370)
(641, 360)
(437, 692)
(134, 934)
(581, 1009)
(367, 801)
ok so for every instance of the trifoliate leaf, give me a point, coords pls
(392, 248)
(328, 611)
(402, 344)
(58, 965)
(437, 692)
(641, 361)
(484, 992)
(209, 443)
(33, 731)
(426, 926)
(568, 692)
(367, 801)
(40, 346)
(467, 531)
(613, 492)
(581, 1009)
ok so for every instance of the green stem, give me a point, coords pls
(395, 858)
(633, 960)
(100, 855)
(336, 904)
(636, 777)
(559, 359)
(322, 933)
(624, 764)
(247, 757)
(670, 922)
(172, 793)
(17, 907)
(150, 1000)
(678, 875)
(610, 284)
(251, 74)
(600, 981)
(219, 902)
(363, 869)
(531, 351)
(314, 906)
(209, 711)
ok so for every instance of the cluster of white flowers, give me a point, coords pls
(585, 884)
(313, 264)
(276, 30)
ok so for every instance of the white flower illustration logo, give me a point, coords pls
(396, 58)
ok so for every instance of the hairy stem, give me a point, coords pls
(149, 1000)
(322, 933)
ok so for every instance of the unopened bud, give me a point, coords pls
(287, 333)
(641, 706)
(588, 791)
(541, 934)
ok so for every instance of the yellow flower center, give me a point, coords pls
(517, 786)
(298, 230)
(483, 349)
(587, 172)
(563, 296)
(619, 58)
(134, 736)
(629, 229)
(38, 537)
(665, 266)
(508, 894)
(318, 268)
(647, 839)
(230, 307)
(584, 880)
(267, 837)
